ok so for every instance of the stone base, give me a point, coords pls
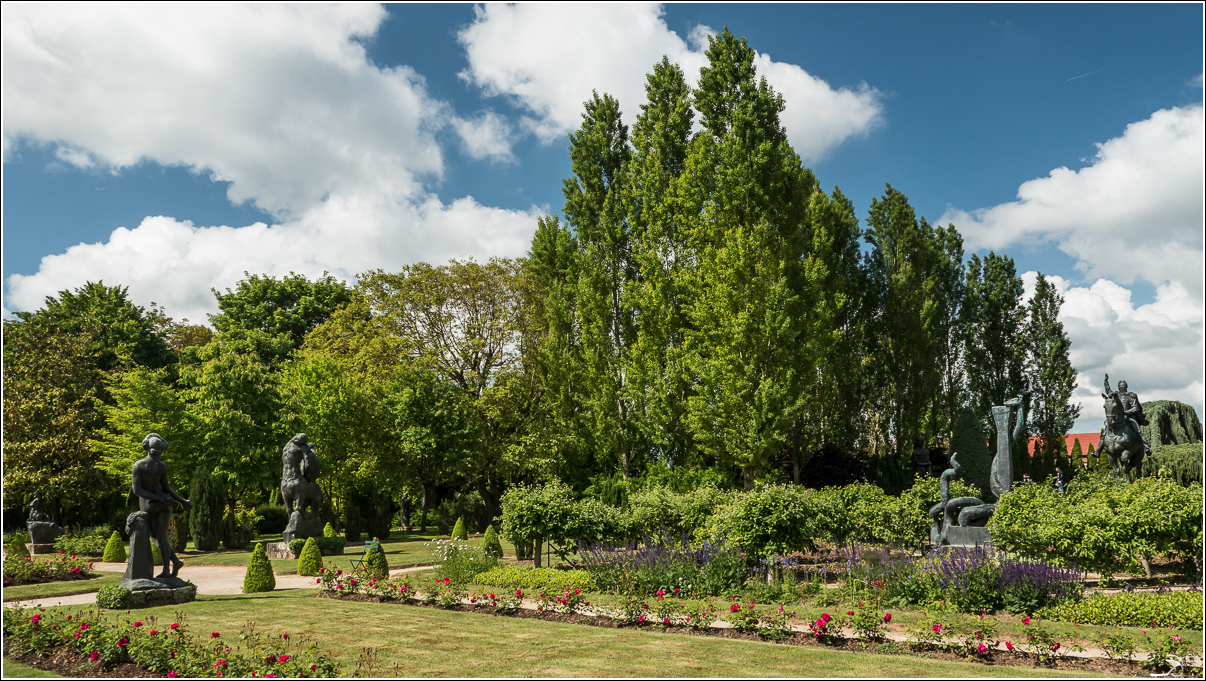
(278, 550)
(966, 536)
(146, 598)
(37, 549)
(144, 584)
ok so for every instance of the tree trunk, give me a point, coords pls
(404, 509)
(538, 546)
(748, 472)
(423, 518)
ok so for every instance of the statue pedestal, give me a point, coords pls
(37, 549)
(147, 598)
(956, 535)
(278, 550)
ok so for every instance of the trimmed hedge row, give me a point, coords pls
(1182, 610)
(768, 520)
(328, 546)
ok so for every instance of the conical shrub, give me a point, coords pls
(490, 544)
(259, 575)
(17, 548)
(376, 563)
(310, 560)
(115, 549)
(459, 531)
(156, 556)
(329, 531)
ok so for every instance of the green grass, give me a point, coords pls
(428, 642)
(64, 588)
(20, 670)
(402, 549)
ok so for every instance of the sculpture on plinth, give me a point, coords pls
(969, 527)
(921, 457)
(149, 481)
(1121, 439)
(42, 531)
(300, 490)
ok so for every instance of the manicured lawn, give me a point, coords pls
(20, 670)
(65, 588)
(402, 549)
(412, 641)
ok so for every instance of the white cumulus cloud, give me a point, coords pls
(547, 58)
(1156, 348)
(1135, 212)
(278, 100)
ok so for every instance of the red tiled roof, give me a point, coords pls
(1086, 439)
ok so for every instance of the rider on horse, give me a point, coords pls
(1131, 407)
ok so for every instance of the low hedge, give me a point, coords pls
(90, 544)
(509, 577)
(1181, 609)
(328, 546)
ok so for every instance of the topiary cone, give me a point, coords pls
(458, 530)
(156, 556)
(377, 563)
(490, 543)
(115, 549)
(17, 548)
(259, 575)
(328, 531)
(310, 560)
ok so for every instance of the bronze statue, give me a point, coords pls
(149, 481)
(42, 531)
(921, 457)
(300, 490)
(1121, 439)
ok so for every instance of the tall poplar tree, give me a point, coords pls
(995, 351)
(657, 388)
(746, 194)
(1050, 373)
(594, 210)
(908, 265)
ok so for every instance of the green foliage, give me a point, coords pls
(310, 560)
(529, 579)
(275, 315)
(927, 491)
(115, 549)
(328, 531)
(1171, 423)
(85, 543)
(16, 548)
(61, 567)
(205, 524)
(327, 546)
(433, 423)
(1101, 524)
(125, 335)
(1179, 609)
(490, 543)
(259, 576)
(460, 561)
(1180, 463)
(113, 597)
(156, 556)
(971, 447)
(459, 531)
(51, 387)
(273, 519)
(1051, 378)
(375, 562)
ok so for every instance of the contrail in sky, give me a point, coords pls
(1087, 74)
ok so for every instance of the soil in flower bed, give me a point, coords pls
(991, 657)
(68, 662)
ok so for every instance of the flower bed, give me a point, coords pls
(61, 567)
(941, 635)
(163, 649)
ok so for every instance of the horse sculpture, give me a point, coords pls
(299, 488)
(1121, 441)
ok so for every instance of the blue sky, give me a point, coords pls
(368, 138)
